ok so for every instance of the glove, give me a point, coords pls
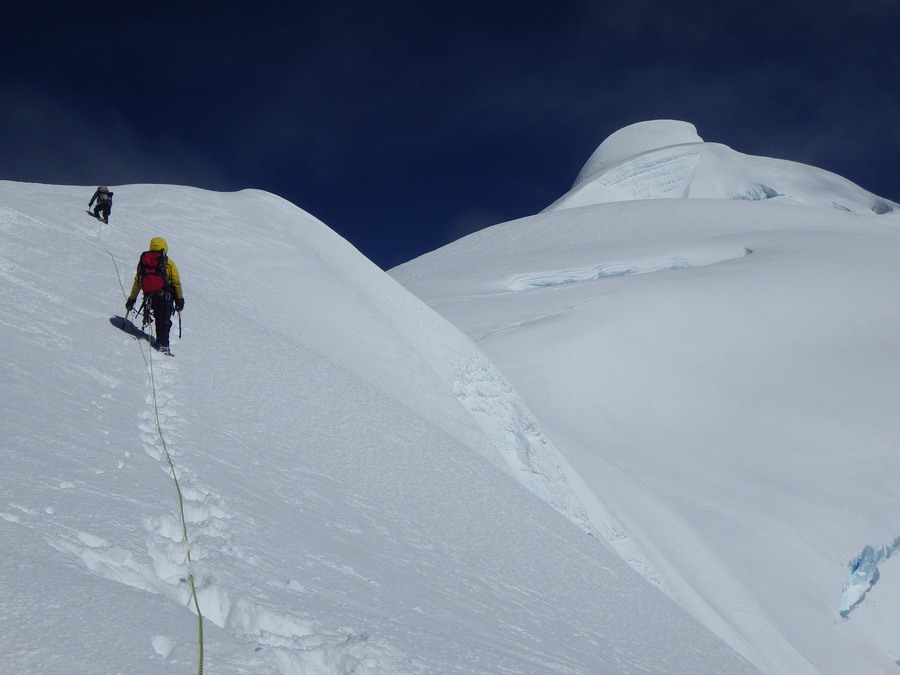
(129, 305)
(179, 304)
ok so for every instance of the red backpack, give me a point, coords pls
(151, 270)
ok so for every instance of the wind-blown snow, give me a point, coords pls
(721, 376)
(363, 490)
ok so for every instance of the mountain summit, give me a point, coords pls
(668, 159)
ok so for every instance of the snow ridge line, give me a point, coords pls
(527, 454)
(190, 575)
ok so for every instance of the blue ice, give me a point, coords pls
(864, 574)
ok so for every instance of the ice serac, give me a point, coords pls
(662, 159)
(864, 574)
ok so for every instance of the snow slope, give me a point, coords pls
(721, 374)
(361, 490)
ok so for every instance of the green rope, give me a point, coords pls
(190, 576)
(118, 274)
(180, 503)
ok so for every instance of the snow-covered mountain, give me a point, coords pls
(359, 489)
(637, 432)
(710, 340)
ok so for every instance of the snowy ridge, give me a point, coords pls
(344, 455)
(531, 458)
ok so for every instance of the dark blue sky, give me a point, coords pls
(404, 125)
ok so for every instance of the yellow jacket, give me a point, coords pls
(159, 244)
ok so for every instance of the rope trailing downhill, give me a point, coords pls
(162, 439)
(184, 530)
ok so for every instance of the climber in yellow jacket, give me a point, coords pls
(157, 278)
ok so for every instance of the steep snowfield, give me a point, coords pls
(722, 376)
(353, 470)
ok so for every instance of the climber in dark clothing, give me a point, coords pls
(104, 203)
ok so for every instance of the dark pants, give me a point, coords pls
(163, 306)
(102, 210)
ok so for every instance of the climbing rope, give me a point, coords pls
(184, 530)
(148, 359)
